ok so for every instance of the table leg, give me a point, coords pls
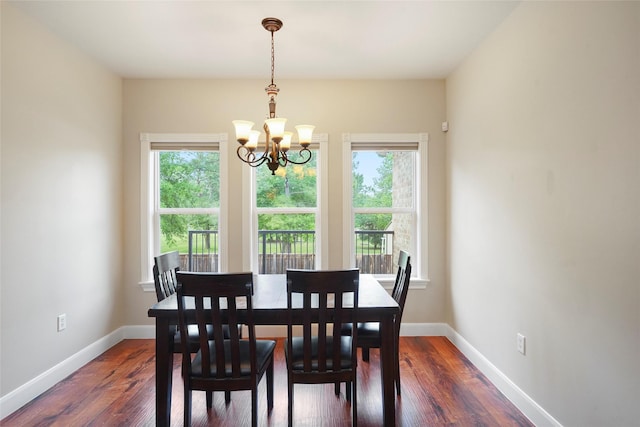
(164, 371)
(386, 365)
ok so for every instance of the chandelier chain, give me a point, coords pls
(273, 58)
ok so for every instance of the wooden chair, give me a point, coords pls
(165, 269)
(323, 301)
(222, 364)
(164, 274)
(369, 332)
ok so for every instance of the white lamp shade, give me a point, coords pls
(305, 133)
(285, 144)
(276, 127)
(243, 127)
(253, 140)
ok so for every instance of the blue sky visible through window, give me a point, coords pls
(368, 162)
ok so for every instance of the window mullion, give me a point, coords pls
(188, 211)
(383, 210)
(311, 210)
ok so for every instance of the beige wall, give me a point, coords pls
(335, 107)
(64, 122)
(544, 206)
(61, 195)
(541, 215)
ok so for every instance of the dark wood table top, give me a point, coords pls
(270, 301)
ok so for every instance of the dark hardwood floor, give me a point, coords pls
(439, 387)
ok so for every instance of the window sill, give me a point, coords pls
(386, 283)
(415, 283)
(147, 286)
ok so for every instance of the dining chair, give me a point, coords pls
(164, 274)
(369, 332)
(319, 302)
(218, 299)
(165, 269)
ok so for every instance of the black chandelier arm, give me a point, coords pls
(250, 157)
(304, 152)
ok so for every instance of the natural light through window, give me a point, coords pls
(287, 214)
(183, 201)
(385, 177)
(189, 202)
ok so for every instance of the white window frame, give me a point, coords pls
(250, 210)
(149, 194)
(380, 142)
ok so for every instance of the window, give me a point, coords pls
(181, 177)
(286, 214)
(386, 174)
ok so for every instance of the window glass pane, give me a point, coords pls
(292, 186)
(378, 240)
(383, 179)
(189, 179)
(194, 236)
(285, 241)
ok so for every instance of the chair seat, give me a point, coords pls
(193, 333)
(264, 350)
(297, 359)
(365, 330)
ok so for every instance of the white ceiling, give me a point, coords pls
(319, 39)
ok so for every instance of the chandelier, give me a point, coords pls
(277, 141)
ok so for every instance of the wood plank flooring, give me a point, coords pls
(439, 387)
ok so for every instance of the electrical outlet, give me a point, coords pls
(62, 322)
(521, 342)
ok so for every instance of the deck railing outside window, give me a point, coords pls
(374, 249)
(282, 249)
(203, 250)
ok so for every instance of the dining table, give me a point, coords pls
(269, 303)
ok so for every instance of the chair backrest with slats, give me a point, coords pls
(165, 268)
(326, 298)
(401, 286)
(226, 294)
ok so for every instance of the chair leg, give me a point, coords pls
(290, 408)
(270, 386)
(209, 399)
(348, 390)
(227, 397)
(336, 388)
(187, 407)
(365, 354)
(254, 407)
(396, 354)
(397, 374)
(354, 403)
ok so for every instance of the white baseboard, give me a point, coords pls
(536, 414)
(17, 398)
(408, 330)
(149, 332)
(279, 331)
